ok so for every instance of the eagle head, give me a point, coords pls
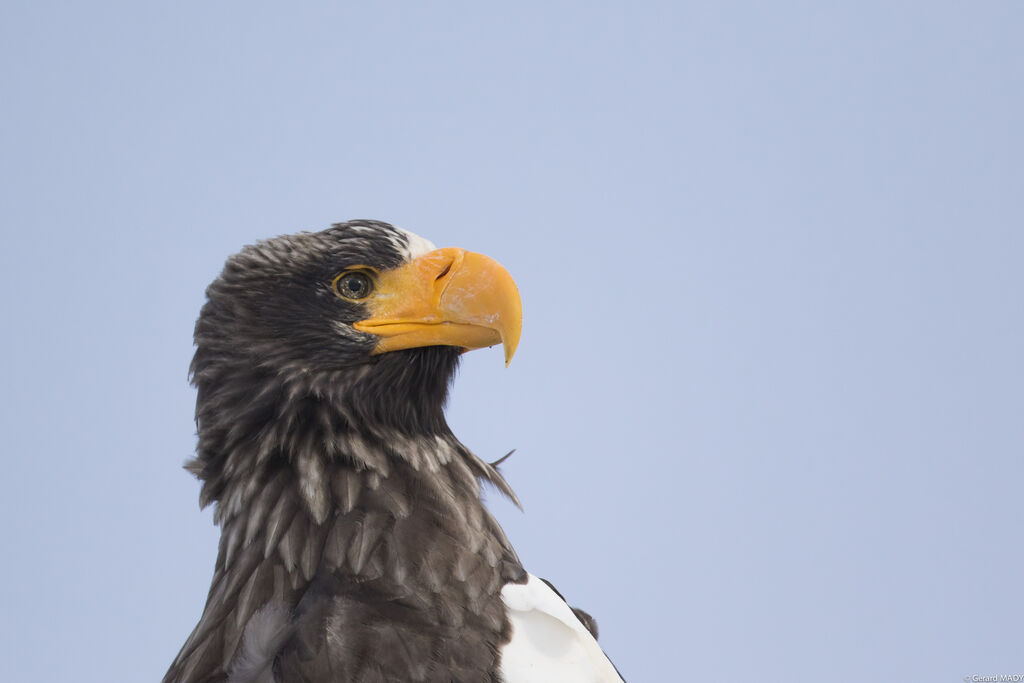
(356, 329)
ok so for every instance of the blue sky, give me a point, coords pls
(768, 400)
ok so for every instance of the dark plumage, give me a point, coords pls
(354, 545)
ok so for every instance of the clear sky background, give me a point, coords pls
(768, 401)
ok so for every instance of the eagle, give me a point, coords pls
(354, 542)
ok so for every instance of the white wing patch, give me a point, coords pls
(548, 642)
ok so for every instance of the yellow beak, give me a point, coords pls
(448, 297)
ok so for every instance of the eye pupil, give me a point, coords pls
(354, 286)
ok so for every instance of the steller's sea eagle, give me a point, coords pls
(354, 543)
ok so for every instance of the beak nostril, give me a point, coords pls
(444, 272)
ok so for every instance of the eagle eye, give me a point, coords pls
(353, 285)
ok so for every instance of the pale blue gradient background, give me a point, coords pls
(769, 401)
